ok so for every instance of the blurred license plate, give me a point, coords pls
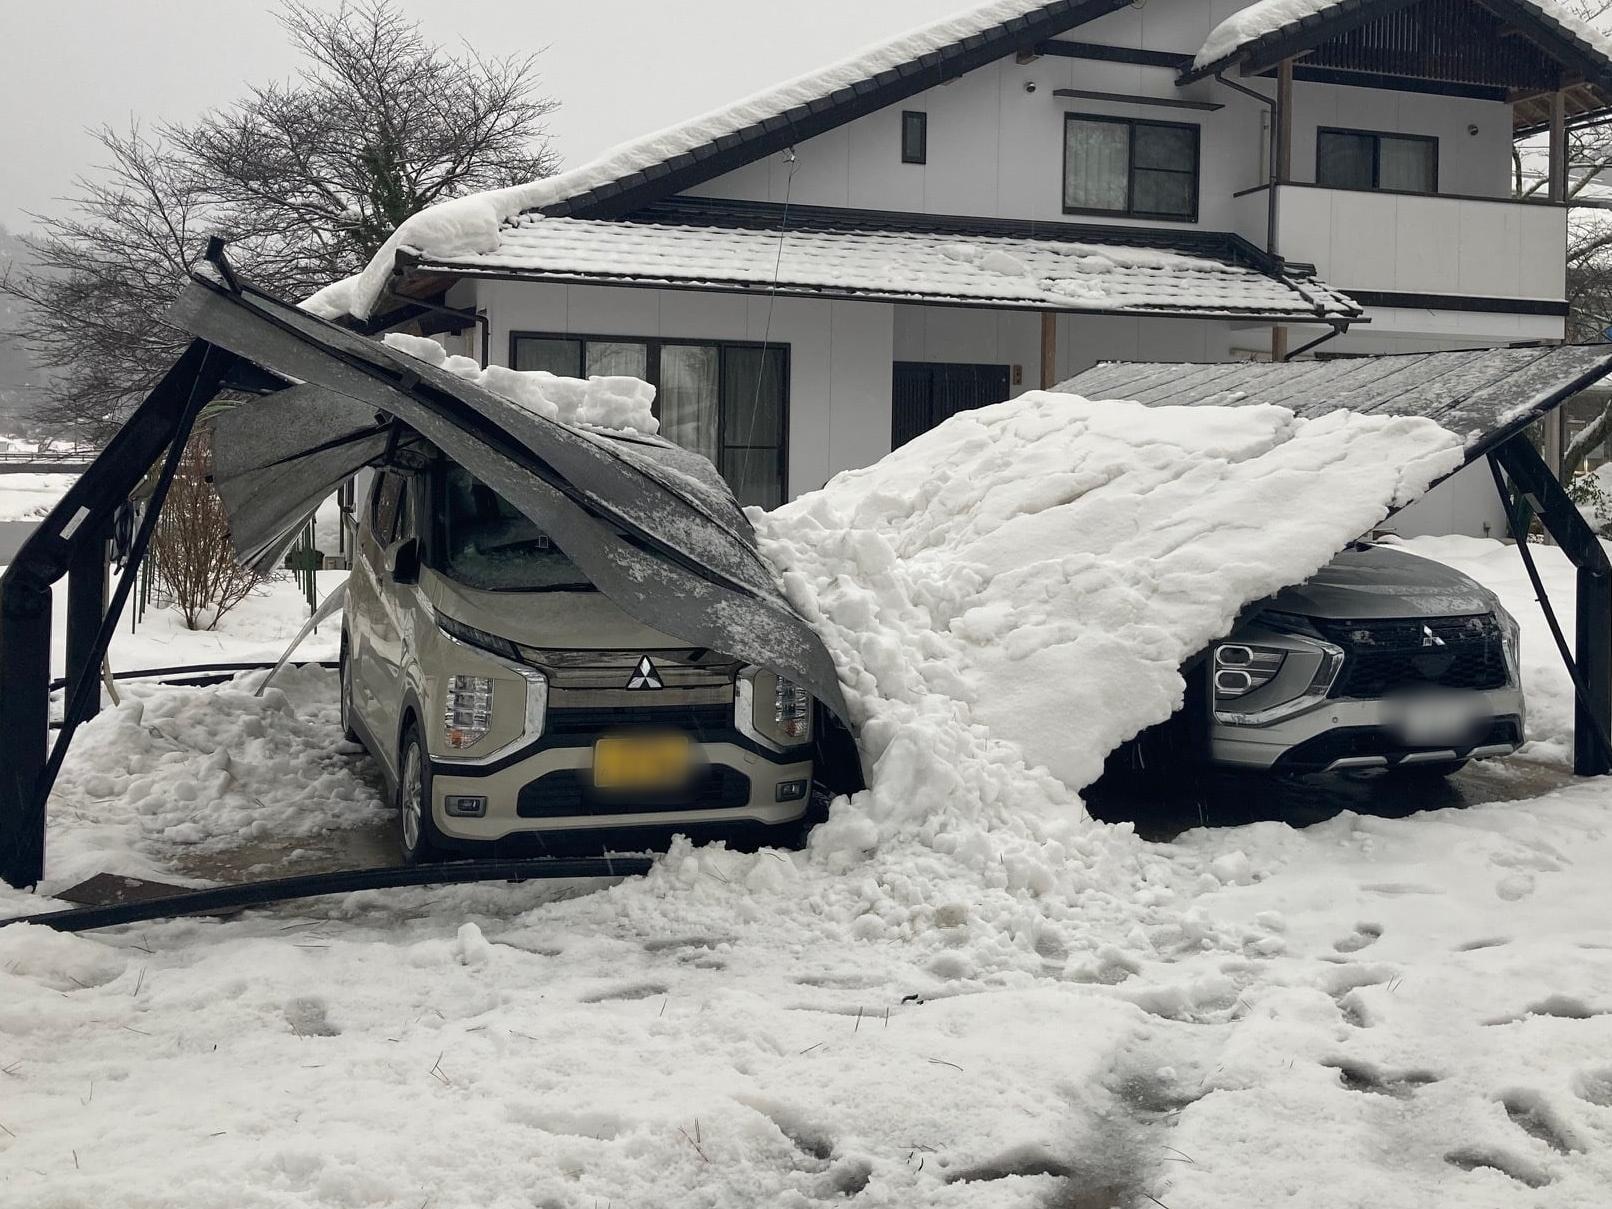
(1425, 721)
(641, 762)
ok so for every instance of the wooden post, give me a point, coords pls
(1284, 122)
(1049, 349)
(1558, 147)
(1278, 344)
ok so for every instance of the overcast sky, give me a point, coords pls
(618, 67)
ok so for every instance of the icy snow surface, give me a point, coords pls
(617, 404)
(1257, 20)
(471, 224)
(964, 994)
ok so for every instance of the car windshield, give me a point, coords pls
(489, 545)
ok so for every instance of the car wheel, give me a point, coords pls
(1428, 772)
(416, 830)
(345, 695)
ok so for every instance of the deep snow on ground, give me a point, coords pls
(965, 993)
(25, 497)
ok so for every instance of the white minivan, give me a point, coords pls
(512, 706)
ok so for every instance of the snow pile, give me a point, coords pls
(471, 224)
(1268, 16)
(1042, 567)
(172, 775)
(615, 404)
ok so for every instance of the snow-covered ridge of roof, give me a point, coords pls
(1271, 16)
(613, 404)
(470, 224)
(1038, 273)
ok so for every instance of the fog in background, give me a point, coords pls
(619, 68)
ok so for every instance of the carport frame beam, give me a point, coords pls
(1590, 666)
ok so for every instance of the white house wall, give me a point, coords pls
(840, 353)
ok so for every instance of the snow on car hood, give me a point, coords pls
(1012, 594)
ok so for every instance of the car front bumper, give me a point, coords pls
(551, 790)
(1342, 734)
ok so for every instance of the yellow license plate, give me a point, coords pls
(641, 762)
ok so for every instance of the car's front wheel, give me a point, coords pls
(416, 830)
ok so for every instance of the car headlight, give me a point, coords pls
(1511, 640)
(471, 636)
(467, 710)
(773, 709)
(1329, 662)
(1242, 667)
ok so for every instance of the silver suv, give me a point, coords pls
(1383, 660)
(509, 703)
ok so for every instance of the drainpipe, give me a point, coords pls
(1270, 202)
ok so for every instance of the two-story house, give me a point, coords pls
(994, 203)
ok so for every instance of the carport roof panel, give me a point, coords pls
(1485, 395)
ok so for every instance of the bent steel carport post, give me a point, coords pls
(1589, 663)
(71, 542)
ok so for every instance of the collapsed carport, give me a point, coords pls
(1492, 397)
(652, 527)
(323, 401)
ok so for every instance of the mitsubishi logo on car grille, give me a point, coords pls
(1428, 637)
(644, 677)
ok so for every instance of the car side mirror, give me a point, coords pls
(405, 566)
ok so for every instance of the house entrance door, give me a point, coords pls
(927, 393)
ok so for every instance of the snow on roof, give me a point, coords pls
(1031, 273)
(1274, 16)
(471, 224)
(610, 403)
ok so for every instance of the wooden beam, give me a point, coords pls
(1558, 147)
(1049, 349)
(1284, 122)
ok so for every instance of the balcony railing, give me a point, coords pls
(1419, 244)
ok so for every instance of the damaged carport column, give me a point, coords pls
(1490, 397)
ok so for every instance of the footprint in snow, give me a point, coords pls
(1530, 1113)
(308, 1018)
(1562, 1007)
(1363, 936)
(1472, 1158)
(1487, 942)
(640, 990)
(1594, 1086)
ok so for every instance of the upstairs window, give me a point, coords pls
(914, 137)
(1364, 159)
(1130, 167)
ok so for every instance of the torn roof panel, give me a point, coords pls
(900, 265)
(1486, 396)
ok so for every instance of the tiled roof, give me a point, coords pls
(897, 265)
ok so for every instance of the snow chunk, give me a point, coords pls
(1013, 593)
(617, 404)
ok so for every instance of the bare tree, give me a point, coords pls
(306, 179)
(191, 552)
(316, 174)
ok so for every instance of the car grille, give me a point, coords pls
(702, 723)
(1400, 654)
(569, 791)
